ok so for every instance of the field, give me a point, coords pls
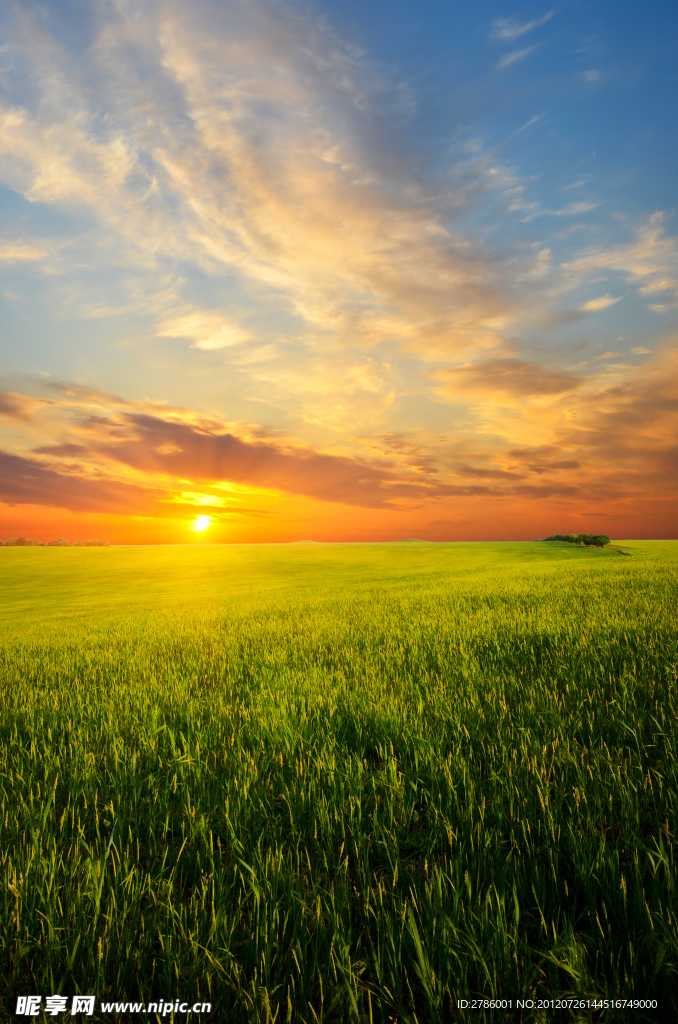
(339, 783)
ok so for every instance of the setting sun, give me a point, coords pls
(201, 523)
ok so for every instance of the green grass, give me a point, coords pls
(340, 782)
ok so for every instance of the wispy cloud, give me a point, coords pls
(528, 124)
(602, 302)
(205, 330)
(512, 58)
(16, 252)
(576, 184)
(509, 376)
(241, 141)
(246, 146)
(650, 261)
(508, 29)
(572, 209)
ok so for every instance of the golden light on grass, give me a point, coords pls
(223, 666)
(201, 523)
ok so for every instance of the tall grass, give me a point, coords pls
(360, 801)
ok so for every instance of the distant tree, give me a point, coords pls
(588, 539)
(24, 542)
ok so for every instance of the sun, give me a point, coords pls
(201, 523)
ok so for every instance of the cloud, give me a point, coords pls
(650, 261)
(542, 459)
(206, 330)
(596, 305)
(26, 481)
(573, 208)
(81, 394)
(182, 451)
(29, 481)
(628, 432)
(249, 140)
(15, 406)
(528, 124)
(512, 58)
(109, 456)
(576, 184)
(508, 29)
(600, 443)
(592, 76)
(62, 451)
(641, 351)
(61, 162)
(507, 376)
(15, 252)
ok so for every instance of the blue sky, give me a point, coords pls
(435, 243)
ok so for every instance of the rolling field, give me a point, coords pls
(336, 783)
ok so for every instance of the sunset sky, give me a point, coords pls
(338, 270)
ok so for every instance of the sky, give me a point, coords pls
(343, 271)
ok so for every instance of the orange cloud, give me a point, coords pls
(505, 376)
(17, 407)
(616, 462)
(616, 445)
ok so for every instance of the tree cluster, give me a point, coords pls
(26, 542)
(589, 539)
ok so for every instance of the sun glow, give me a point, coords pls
(201, 523)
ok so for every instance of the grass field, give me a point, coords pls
(340, 782)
